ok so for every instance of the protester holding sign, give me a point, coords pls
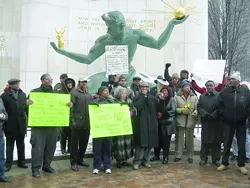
(122, 145)
(146, 127)
(102, 146)
(66, 86)
(43, 139)
(80, 127)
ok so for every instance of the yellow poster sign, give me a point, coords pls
(49, 110)
(107, 120)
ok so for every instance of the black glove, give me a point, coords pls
(209, 117)
(167, 65)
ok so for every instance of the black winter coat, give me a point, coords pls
(233, 104)
(168, 122)
(16, 125)
(212, 128)
(146, 123)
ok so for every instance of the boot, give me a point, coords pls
(165, 160)
(165, 157)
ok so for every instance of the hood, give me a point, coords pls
(67, 79)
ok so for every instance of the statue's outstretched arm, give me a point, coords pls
(95, 52)
(149, 41)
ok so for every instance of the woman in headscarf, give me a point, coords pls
(166, 118)
(122, 145)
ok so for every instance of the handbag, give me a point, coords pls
(167, 122)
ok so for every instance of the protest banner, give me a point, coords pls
(116, 59)
(107, 120)
(49, 110)
(205, 70)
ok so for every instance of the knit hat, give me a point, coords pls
(185, 83)
(175, 75)
(122, 77)
(63, 76)
(101, 89)
(165, 87)
(236, 76)
(44, 76)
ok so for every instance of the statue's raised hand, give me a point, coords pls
(58, 50)
(177, 22)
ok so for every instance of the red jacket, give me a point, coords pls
(202, 90)
(6, 89)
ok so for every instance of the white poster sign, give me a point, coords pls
(205, 70)
(117, 59)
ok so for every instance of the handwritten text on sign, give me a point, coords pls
(117, 59)
(109, 120)
(49, 110)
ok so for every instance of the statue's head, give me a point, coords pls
(115, 22)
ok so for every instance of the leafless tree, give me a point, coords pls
(227, 33)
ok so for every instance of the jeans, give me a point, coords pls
(102, 152)
(2, 160)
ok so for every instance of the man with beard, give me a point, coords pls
(67, 85)
(43, 139)
(234, 103)
(123, 83)
(212, 126)
(15, 102)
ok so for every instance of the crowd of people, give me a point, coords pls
(170, 108)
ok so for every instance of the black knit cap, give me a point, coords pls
(101, 89)
(44, 76)
(63, 76)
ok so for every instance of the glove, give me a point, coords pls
(131, 113)
(194, 114)
(208, 116)
(2, 116)
(159, 115)
(167, 65)
(185, 111)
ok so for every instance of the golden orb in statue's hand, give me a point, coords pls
(179, 13)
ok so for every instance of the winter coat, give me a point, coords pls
(188, 121)
(146, 123)
(58, 86)
(212, 128)
(4, 118)
(16, 109)
(79, 113)
(63, 87)
(168, 121)
(136, 89)
(233, 104)
(122, 145)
